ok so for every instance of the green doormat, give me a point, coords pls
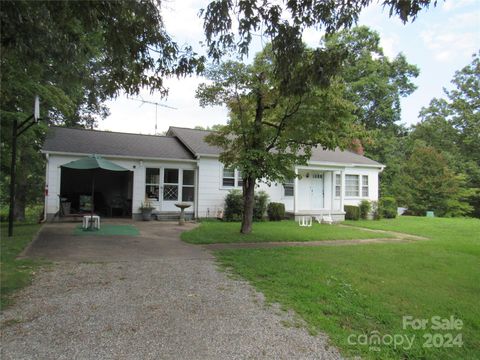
(108, 230)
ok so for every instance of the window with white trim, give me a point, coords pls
(232, 178)
(228, 178)
(152, 183)
(288, 187)
(188, 185)
(338, 185)
(352, 185)
(365, 185)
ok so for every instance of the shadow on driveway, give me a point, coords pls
(56, 242)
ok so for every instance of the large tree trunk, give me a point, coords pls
(248, 205)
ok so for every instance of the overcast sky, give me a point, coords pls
(441, 41)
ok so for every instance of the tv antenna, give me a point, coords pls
(157, 104)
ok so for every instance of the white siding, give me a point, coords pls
(53, 178)
(211, 195)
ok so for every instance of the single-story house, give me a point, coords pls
(182, 167)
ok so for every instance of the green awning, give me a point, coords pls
(93, 162)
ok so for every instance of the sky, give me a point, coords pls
(440, 41)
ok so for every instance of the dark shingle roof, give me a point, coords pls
(194, 140)
(339, 156)
(83, 141)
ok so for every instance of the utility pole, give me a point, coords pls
(18, 130)
(156, 108)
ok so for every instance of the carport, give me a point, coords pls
(112, 196)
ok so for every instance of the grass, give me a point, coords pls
(211, 232)
(108, 230)
(369, 288)
(15, 273)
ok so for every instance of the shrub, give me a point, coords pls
(365, 208)
(276, 211)
(233, 206)
(388, 207)
(352, 212)
(377, 215)
(260, 207)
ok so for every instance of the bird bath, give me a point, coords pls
(182, 207)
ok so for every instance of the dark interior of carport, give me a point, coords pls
(112, 195)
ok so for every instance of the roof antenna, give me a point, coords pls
(156, 108)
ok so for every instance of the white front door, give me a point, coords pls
(316, 191)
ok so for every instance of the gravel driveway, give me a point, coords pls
(171, 307)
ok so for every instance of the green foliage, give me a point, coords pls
(388, 207)
(352, 212)
(365, 207)
(375, 83)
(344, 290)
(276, 211)
(275, 120)
(75, 55)
(284, 23)
(376, 213)
(451, 125)
(432, 185)
(15, 273)
(233, 206)
(260, 207)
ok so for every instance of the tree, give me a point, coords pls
(76, 55)
(452, 126)
(374, 83)
(275, 120)
(433, 185)
(282, 23)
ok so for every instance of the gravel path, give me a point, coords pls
(169, 308)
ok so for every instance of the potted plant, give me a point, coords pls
(146, 208)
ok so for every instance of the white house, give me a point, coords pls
(183, 167)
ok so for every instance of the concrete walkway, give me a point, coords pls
(145, 297)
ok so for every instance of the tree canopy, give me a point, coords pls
(76, 55)
(275, 121)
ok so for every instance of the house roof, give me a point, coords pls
(195, 140)
(81, 141)
(181, 143)
(341, 156)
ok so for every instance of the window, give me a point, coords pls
(365, 185)
(338, 185)
(232, 178)
(352, 184)
(288, 187)
(170, 184)
(152, 180)
(228, 177)
(188, 186)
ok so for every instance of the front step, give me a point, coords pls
(171, 216)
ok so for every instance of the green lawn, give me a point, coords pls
(211, 232)
(369, 288)
(15, 274)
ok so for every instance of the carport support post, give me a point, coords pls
(12, 178)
